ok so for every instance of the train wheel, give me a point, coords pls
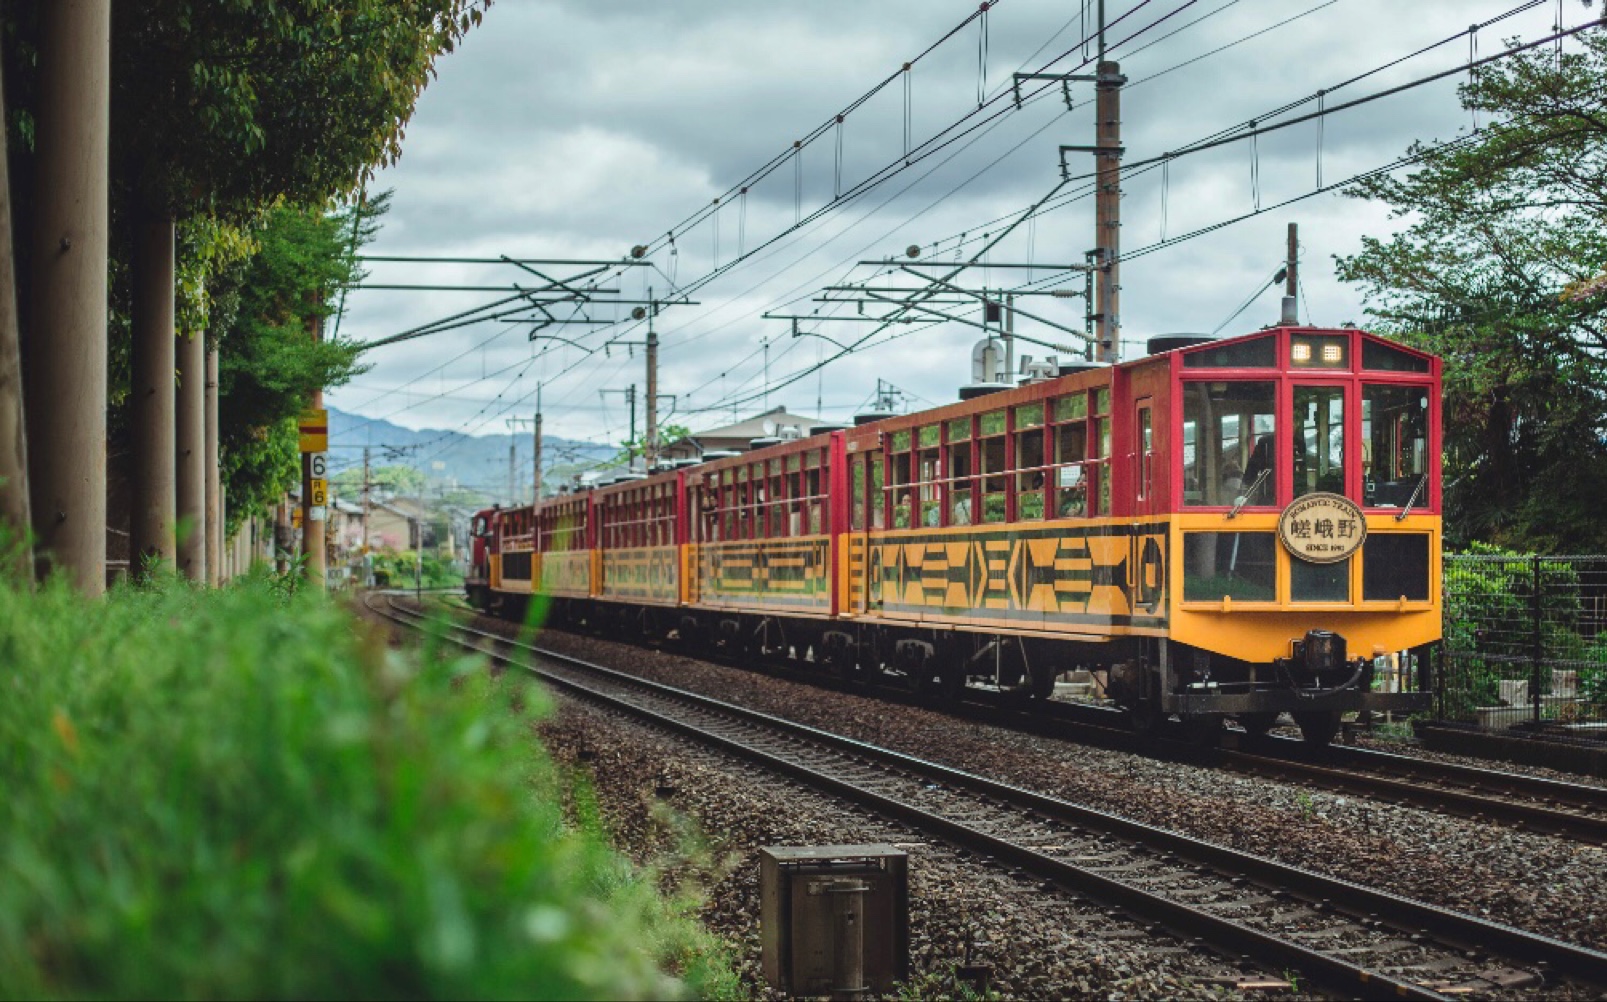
(946, 683)
(1146, 717)
(1257, 724)
(1318, 728)
(1042, 683)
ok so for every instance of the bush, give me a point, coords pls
(237, 794)
(397, 570)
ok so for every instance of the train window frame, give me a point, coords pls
(1247, 459)
(990, 512)
(1068, 487)
(959, 488)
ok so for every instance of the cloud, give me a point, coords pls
(575, 130)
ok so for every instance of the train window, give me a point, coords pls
(959, 482)
(901, 441)
(1380, 357)
(1319, 459)
(960, 430)
(856, 494)
(928, 436)
(1029, 416)
(779, 506)
(1252, 353)
(1228, 434)
(795, 462)
(878, 496)
(1394, 565)
(1319, 582)
(1102, 400)
(1070, 482)
(1394, 433)
(816, 501)
(1242, 566)
(992, 423)
(899, 475)
(1031, 467)
(1072, 408)
(994, 482)
(929, 474)
(795, 492)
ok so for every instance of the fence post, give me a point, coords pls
(1535, 644)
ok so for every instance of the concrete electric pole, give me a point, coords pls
(1108, 206)
(190, 458)
(65, 363)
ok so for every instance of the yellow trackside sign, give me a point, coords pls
(314, 427)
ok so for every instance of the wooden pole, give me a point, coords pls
(1108, 208)
(64, 356)
(152, 497)
(214, 476)
(13, 440)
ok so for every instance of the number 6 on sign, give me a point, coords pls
(319, 463)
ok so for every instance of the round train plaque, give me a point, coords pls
(1322, 528)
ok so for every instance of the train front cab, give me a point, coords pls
(1260, 423)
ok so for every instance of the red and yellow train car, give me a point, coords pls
(1230, 528)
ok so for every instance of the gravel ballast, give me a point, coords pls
(1548, 885)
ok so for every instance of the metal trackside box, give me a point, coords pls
(834, 919)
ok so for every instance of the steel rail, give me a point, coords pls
(1460, 931)
(1407, 787)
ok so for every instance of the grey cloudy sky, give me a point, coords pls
(578, 129)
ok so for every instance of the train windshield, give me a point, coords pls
(1228, 433)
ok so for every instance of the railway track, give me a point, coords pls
(1567, 810)
(1347, 938)
(1551, 807)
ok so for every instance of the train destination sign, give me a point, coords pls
(1322, 528)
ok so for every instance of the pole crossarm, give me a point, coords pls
(889, 262)
(1066, 80)
(973, 323)
(1030, 316)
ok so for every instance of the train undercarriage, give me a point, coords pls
(1154, 680)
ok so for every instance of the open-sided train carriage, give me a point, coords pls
(1229, 528)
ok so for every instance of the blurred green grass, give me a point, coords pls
(241, 794)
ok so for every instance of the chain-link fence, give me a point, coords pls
(1525, 643)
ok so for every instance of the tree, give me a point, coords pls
(1507, 240)
(269, 362)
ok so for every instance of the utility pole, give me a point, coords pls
(65, 363)
(1108, 201)
(652, 388)
(214, 476)
(630, 451)
(1291, 281)
(13, 439)
(152, 359)
(535, 447)
(367, 486)
(190, 460)
(513, 466)
(313, 542)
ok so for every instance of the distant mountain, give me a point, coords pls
(450, 458)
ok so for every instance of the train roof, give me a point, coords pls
(1086, 377)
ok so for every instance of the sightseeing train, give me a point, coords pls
(1235, 527)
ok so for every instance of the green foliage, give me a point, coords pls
(230, 106)
(398, 570)
(269, 364)
(395, 479)
(1490, 611)
(1507, 231)
(236, 794)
